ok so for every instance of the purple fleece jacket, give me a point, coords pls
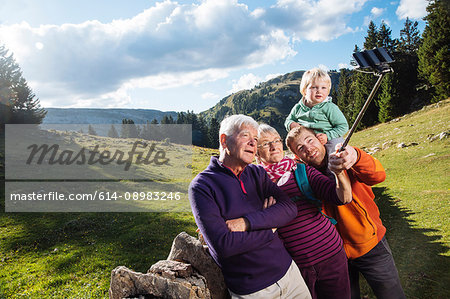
(252, 260)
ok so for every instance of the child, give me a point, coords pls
(316, 110)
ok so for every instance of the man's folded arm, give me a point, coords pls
(215, 231)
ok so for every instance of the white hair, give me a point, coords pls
(233, 123)
(266, 129)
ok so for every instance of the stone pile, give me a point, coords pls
(188, 272)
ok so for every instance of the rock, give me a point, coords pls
(432, 137)
(373, 150)
(439, 136)
(126, 283)
(388, 144)
(401, 145)
(171, 269)
(188, 272)
(190, 250)
(444, 135)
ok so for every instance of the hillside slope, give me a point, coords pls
(71, 255)
(414, 200)
(269, 102)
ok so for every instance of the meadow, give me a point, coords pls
(71, 255)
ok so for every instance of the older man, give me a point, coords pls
(254, 263)
(358, 222)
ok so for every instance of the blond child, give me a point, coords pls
(315, 110)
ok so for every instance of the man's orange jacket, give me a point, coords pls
(359, 222)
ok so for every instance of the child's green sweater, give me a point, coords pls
(324, 117)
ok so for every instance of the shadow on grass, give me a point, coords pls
(422, 267)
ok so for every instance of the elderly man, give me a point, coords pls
(358, 222)
(254, 263)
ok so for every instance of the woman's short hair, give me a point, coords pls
(231, 124)
(266, 129)
(312, 75)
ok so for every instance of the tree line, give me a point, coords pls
(203, 134)
(421, 69)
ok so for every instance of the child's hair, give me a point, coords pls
(312, 75)
(295, 133)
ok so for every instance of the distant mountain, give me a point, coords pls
(102, 116)
(78, 119)
(269, 102)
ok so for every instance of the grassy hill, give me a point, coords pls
(71, 255)
(269, 102)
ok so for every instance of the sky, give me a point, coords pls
(181, 55)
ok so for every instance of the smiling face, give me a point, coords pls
(270, 148)
(316, 92)
(240, 148)
(308, 148)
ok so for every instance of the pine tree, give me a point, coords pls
(434, 54)
(371, 40)
(387, 98)
(18, 103)
(113, 132)
(361, 87)
(384, 38)
(129, 129)
(406, 69)
(344, 93)
(410, 39)
(213, 133)
(91, 130)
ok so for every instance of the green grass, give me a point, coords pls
(71, 255)
(414, 200)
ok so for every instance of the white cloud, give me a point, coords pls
(343, 66)
(167, 45)
(414, 9)
(271, 76)
(210, 96)
(323, 67)
(247, 81)
(39, 45)
(311, 20)
(376, 11)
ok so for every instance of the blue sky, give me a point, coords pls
(183, 55)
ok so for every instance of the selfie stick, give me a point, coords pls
(378, 60)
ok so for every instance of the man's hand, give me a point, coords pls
(237, 225)
(343, 160)
(322, 137)
(269, 202)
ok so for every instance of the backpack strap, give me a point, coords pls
(305, 189)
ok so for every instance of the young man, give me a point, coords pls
(358, 222)
(254, 263)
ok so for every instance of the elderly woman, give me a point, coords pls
(310, 238)
(232, 191)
